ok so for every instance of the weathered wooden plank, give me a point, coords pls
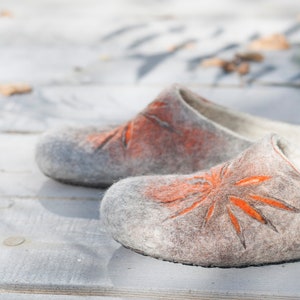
(117, 7)
(144, 294)
(71, 105)
(54, 106)
(36, 65)
(21, 178)
(35, 184)
(16, 296)
(127, 51)
(40, 246)
(48, 65)
(94, 8)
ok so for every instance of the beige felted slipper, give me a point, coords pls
(239, 213)
(179, 132)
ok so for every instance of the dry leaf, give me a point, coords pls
(250, 56)
(105, 57)
(213, 62)
(12, 89)
(190, 46)
(229, 67)
(243, 68)
(166, 17)
(184, 45)
(6, 14)
(273, 42)
(172, 48)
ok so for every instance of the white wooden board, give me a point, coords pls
(22, 296)
(52, 251)
(50, 107)
(59, 49)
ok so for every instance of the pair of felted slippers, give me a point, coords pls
(233, 198)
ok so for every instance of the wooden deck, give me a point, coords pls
(99, 62)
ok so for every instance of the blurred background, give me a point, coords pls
(78, 62)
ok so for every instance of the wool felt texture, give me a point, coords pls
(243, 212)
(179, 132)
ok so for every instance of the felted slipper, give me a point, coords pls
(239, 213)
(179, 132)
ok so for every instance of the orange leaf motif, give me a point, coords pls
(252, 180)
(210, 190)
(248, 209)
(274, 203)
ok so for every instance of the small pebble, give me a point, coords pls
(14, 241)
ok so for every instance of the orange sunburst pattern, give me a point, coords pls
(100, 140)
(140, 124)
(218, 191)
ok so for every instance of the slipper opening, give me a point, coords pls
(248, 126)
(289, 151)
(222, 116)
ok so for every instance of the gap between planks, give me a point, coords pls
(186, 83)
(119, 292)
(11, 197)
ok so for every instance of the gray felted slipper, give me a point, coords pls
(179, 132)
(239, 213)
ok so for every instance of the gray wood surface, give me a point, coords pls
(51, 250)
(94, 62)
(49, 107)
(140, 52)
(23, 296)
